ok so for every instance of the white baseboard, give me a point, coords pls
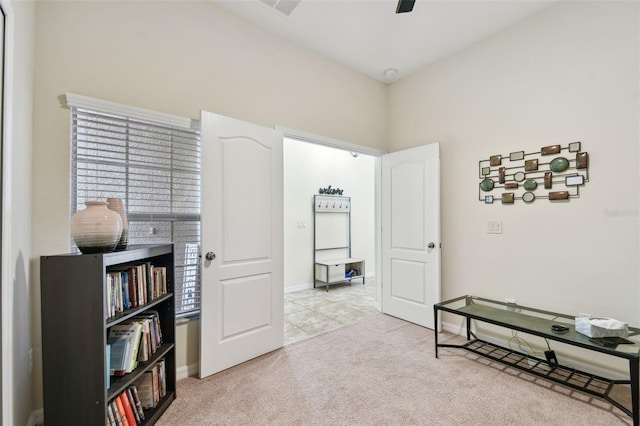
(192, 370)
(36, 418)
(307, 286)
(567, 360)
(298, 287)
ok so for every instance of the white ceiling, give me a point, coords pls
(369, 37)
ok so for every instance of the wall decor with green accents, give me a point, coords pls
(555, 173)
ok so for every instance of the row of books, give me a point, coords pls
(153, 385)
(133, 286)
(128, 408)
(134, 340)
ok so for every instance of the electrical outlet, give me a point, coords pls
(494, 227)
(510, 301)
(30, 359)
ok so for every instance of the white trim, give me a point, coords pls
(334, 143)
(191, 370)
(79, 101)
(7, 267)
(378, 228)
(299, 287)
(36, 418)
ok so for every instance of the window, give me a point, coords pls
(152, 162)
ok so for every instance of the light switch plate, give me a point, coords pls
(494, 227)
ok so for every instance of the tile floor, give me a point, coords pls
(313, 311)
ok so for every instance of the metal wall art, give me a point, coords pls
(554, 173)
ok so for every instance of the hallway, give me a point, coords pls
(314, 311)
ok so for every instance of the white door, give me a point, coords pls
(242, 296)
(411, 233)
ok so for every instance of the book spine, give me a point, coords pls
(124, 399)
(107, 300)
(110, 418)
(162, 378)
(118, 291)
(116, 413)
(122, 413)
(144, 385)
(132, 288)
(133, 361)
(143, 349)
(136, 283)
(138, 403)
(141, 285)
(124, 279)
(108, 361)
(149, 281)
(156, 384)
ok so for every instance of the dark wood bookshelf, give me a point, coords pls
(75, 327)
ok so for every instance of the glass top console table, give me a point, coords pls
(539, 323)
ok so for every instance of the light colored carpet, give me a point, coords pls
(381, 371)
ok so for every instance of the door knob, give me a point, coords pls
(210, 255)
(431, 245)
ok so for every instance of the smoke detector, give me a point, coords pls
(283, 6)
(390, 74)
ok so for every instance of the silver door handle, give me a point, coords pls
(210, 255)
(431, 245)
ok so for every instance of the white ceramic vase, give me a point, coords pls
(117, 206)
(96, 229)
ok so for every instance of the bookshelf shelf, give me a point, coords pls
(75, 328)
(130, 313)
(118, 384)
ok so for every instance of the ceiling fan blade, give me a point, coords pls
(405, 6)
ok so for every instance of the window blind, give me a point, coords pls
(154, 167)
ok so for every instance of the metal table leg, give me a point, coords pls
(435, 328)
(635, 391)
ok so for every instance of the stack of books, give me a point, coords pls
(133, 341)
(128, 408)
(134, 286)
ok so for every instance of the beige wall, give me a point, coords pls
(178, 57)
(569, 73)
(18, 296)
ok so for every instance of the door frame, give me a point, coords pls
(6, 218)
(361, 149)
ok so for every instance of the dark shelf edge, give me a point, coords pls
(152, 415)
(111, 321)
(136, 253)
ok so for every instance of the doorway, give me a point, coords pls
(309, 166)
(242, 309)
(253, 312)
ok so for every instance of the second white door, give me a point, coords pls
(411, 233)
